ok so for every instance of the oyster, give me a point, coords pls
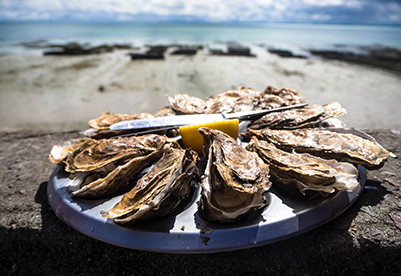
(273, 97)
(59, 153)
(164, 112)
(245, 99)
(185, 104)
(159, 191)
(355, 147)
(107, 119)
(305, 171)
(93, 154)
(299, 118)
(240, 99)
(101, 168)
(235, 181)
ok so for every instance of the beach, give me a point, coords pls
(65, 92)
(45, 99)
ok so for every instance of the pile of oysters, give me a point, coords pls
(301, 150)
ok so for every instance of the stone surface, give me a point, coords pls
(35, 242)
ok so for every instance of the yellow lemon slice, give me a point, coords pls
(193, 139)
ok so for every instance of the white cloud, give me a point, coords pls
(207, 10)
(320, 17)
(325, 2)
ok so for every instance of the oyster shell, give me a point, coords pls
(235, 181)
(299, 118)
(185, 104)
(273, 97)
(245, 99)
(305, 171)
(93, 154)
(161, 190)
(107, 119)
(240, 99)
(164, 112)
(352, 146)
(59, 153)
(101, 168)
(109, 179)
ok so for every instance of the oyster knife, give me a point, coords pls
(183, 120)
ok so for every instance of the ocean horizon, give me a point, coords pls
(292, 36)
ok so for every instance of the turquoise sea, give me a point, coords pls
(294, 37)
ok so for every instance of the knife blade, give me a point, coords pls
(183, 120)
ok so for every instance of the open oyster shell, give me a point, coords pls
(305, 171)
(354, 147)
(93, 154)
(299, 118)
(59, 153)
(111, 178)
(159, 191)
(101, 168)
(235, 181)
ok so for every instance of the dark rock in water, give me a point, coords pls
(187, 50)
(376, 56)
(68, 49)
(85, 49)
(216, 52)
(154, 52)
(146, 56)
(239, 51)
(233, 50)
(35, 44)
(285, 53)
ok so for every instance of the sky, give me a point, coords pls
(387, 12)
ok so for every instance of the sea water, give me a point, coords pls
(295, 37)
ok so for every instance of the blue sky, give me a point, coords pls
(299, 11)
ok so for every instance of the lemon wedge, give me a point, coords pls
(193, 139)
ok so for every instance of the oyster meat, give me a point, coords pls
(304, 171)
(235, 181)
(102, 167)
(161, 190)
(352, 146)
(299, 118)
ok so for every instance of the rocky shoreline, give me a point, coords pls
(378, 56)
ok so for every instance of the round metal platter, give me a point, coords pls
(186, 232)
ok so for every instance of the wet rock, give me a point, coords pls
(186, 50)
(284, 53)
(378, 56)
(153, 52)
(233, 49)
(83, 49)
